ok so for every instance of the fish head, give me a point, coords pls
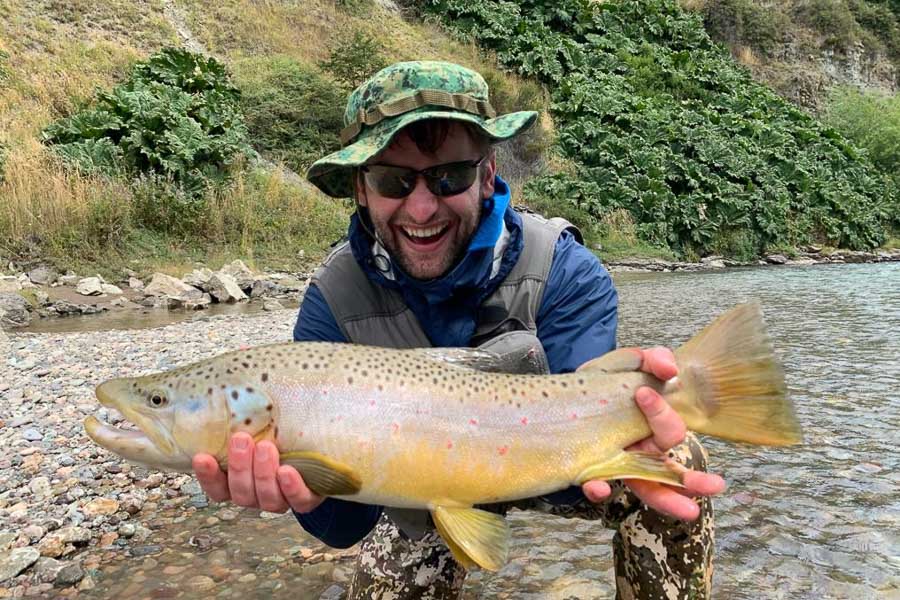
(180, 413)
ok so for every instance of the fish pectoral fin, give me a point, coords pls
(475, 537)
(617, 361)
(323, 475)
(633, 465)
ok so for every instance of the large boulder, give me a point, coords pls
(43, 275)
(14, 310)
(224, 288)
(199, 278)
(172, 288)
(90, 286)
(241, 273)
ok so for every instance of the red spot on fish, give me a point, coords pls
(524, 421)
(574, 415)
(301, 434)
(371, 403)
(473, 422)
(395, 427)
(502, 450)
(625, 386)
(244, 348)
(603, 401)
(449, 445)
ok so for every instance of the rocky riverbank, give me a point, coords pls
(41, 292)
(74, 519)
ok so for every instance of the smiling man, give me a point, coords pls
(436, 256)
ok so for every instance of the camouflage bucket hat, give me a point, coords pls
(401, 94)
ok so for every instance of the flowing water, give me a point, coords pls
(820, 520)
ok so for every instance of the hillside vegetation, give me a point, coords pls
(117, 150)
(661, 122)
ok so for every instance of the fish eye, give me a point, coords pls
(157, 400)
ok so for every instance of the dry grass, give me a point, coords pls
(59, 52)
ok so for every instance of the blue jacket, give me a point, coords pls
(575, 323)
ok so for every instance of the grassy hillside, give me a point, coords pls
(291, 63)
(70, 66)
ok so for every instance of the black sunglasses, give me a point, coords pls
(442, 180)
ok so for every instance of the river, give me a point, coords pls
(820, 520)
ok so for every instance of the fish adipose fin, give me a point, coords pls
(475, 537)
(730, 384)
(617, 361)
(632, 465)
(323, 475)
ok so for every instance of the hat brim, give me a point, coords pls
(333, 174)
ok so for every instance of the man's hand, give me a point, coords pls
(254, 479)
(668, 431)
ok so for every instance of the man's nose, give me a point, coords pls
(422, 203)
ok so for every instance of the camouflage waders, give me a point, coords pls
(656, 557)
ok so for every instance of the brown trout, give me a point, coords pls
(409, 429)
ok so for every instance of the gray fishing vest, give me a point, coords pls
(371, 314)
(506, 325)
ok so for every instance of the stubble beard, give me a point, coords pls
(432, 267)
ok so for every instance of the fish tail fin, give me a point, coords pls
(730, 384)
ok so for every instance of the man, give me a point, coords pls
(436, 257)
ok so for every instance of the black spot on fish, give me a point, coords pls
(234, 394)
(350, 380)
(245, 365)
(269, 407)
(247, 421)
(249, 390)
(209, 391)
(265, 377)
(545, 394)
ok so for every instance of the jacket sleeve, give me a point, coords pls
(577, 319)
(338, 523)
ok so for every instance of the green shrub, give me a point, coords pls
(177, 116)
(872, 121)
(162, 206)
(293, 112)
(832, 18)
(660, 121)
(745, 22)
(879, 20)
(353, 61)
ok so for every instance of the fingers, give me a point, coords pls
(265, 466)
(596, 490)
(698, 483)
(664, 499)
(298, 496)
(212, 479)
(240, 470)
(659, 362)
(668, 428)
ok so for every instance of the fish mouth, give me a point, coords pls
(148, 445)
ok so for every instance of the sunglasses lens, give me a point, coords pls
(391, 182)
(442, 180)
(452, 179)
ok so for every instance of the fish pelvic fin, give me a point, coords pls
(323, 475)
(730, 384)
(475, 537)
(632, 465)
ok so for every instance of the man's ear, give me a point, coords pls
(489, 170)
(360, 186)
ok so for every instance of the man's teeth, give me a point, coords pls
(423, 233)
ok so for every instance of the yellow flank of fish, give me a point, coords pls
(428, 429)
